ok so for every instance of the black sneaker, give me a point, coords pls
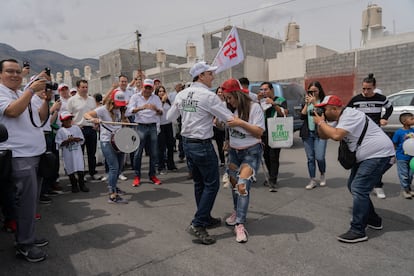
(214, 222)
(352, 237)
(40, 242)
(31, 253)
(376, 225)
(201, 234)
(43, 199)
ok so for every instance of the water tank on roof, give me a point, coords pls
(292, 32)
(372, 17)
(191, 50)
(161, 56)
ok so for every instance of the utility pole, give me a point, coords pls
(139, 51)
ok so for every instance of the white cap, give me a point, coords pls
(60, 87)
(201, 67)
(148, 82)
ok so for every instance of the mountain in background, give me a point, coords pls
(39, 59)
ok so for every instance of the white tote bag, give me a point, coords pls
(280, 132)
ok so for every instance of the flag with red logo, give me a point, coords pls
(230, 54)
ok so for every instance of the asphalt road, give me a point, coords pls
(292, 232)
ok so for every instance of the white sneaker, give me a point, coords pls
(226, 180)
(379, 192)
(231, 220)
(323, 180)
(241, 233)
(312, 184)
(122, 177)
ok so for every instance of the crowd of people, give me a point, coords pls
(65, 123)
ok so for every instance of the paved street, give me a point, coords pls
(292, 232)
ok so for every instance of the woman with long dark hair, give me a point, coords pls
(315, 147)
(113, 110)
(245, 151)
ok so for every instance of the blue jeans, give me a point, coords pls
(148, 135)
(114, 161)
(315, 149)
(203, 163)
(404, 173)
(362, 180)
(251, 157)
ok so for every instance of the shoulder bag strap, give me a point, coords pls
(363, 132)
(31, 117)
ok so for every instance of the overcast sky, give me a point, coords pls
(90, 28)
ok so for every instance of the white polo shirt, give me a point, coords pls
(25, 140)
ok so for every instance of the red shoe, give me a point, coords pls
(38, 216)
(155, 180)
(136, 182)
(10, 226)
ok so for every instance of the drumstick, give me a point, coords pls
(118, 123)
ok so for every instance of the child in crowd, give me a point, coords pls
(70, 138)
(403, 160)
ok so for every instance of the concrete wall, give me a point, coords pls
(393, 67)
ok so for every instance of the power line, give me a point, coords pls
(198, 24)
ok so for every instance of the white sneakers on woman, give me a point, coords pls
(313, 183)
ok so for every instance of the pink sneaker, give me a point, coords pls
(241, 233)
(231, 220)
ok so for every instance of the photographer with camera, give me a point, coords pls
(315, 147)
(27, 144)
(374, 155)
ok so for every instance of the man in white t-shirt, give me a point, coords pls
(198, 107)
(374, 156)
(27, 143)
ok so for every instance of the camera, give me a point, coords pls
(319, 110)
(310, 93)
(50, 85)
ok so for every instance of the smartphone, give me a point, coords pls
(47, 70)
(57, 97)
(310, 93)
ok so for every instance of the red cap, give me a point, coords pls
(118, 97)
(330, 100)
(232, 85)
(65, 115)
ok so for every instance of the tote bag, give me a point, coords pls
(280, 132)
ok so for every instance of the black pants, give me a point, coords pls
(219, 136)
(166, 143)
(91, 138)
(271, 157)
(47, 183)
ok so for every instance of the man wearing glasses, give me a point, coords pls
(273, 106)
(371, 104)
(14, 114)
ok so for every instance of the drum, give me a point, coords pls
(125, 140)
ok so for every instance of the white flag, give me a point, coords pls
(230, 54)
